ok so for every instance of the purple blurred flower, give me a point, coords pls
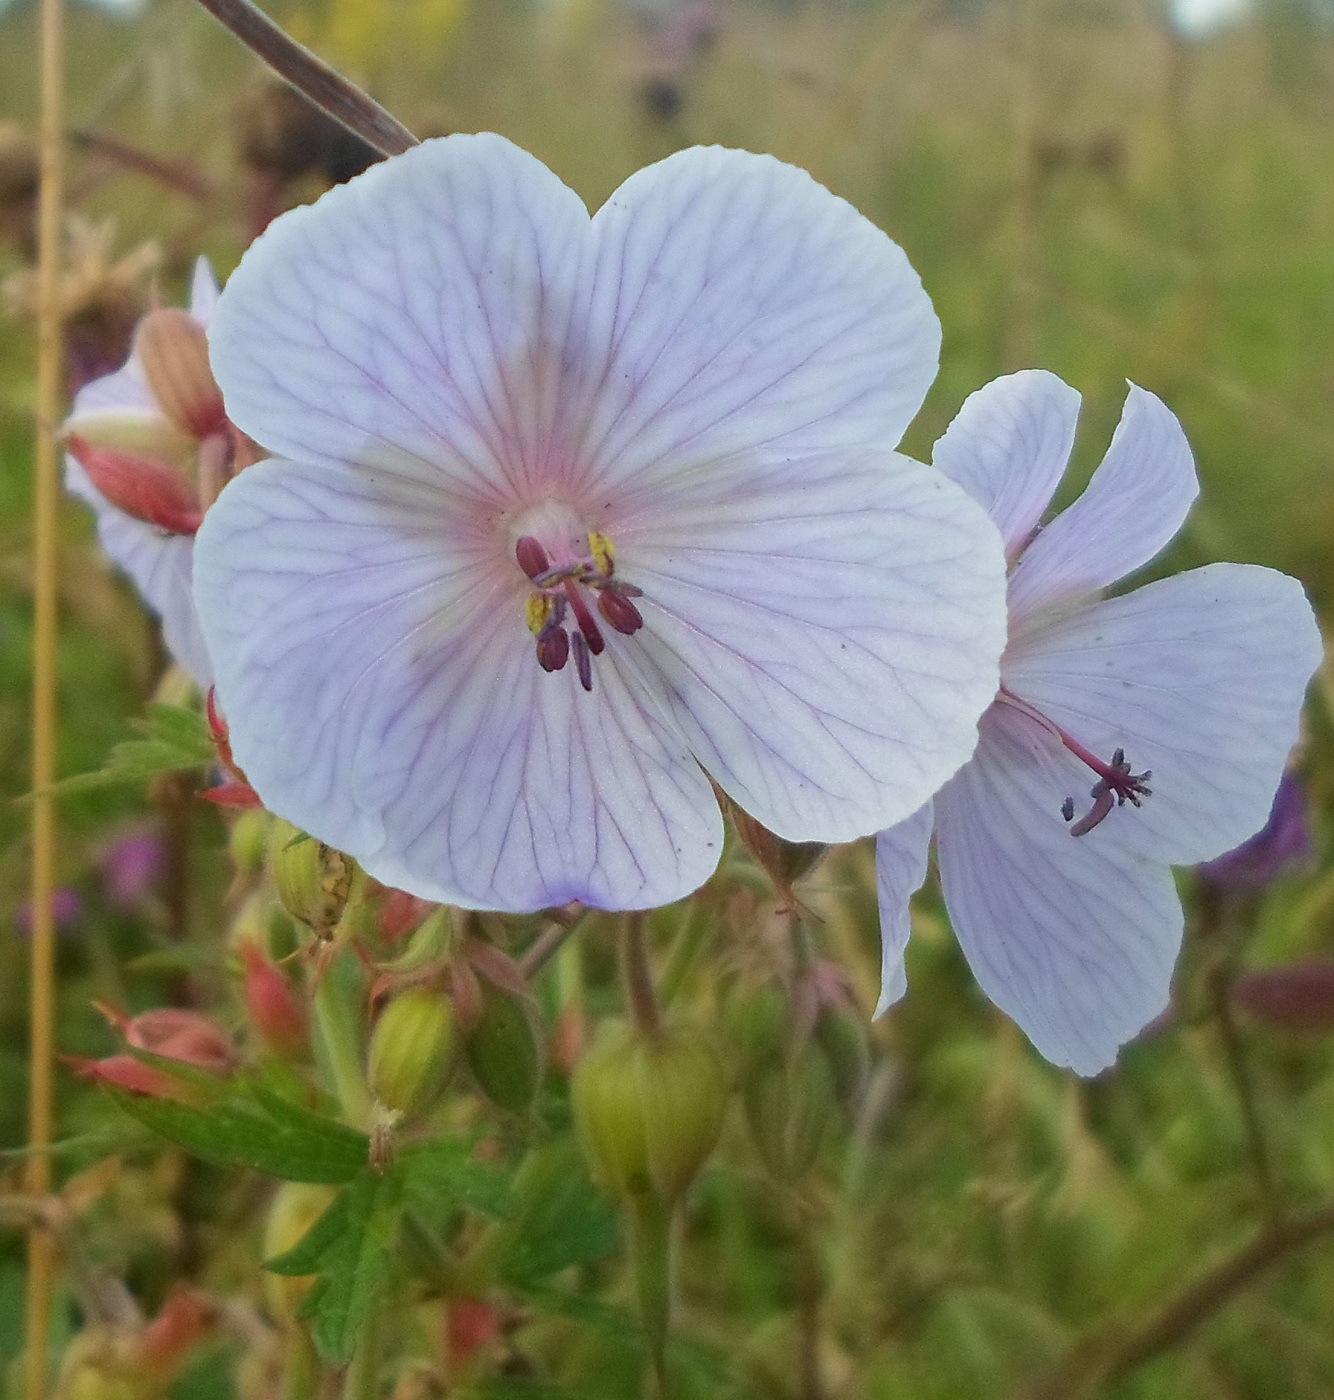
(67, 907)
(1283, 841)
(132, 867)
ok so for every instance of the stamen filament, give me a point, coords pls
(587, 622)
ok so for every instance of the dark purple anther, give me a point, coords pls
(582, 660)
(619, 612)
(531, 556)
(553, 648)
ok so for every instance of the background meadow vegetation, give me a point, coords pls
(1080, 187)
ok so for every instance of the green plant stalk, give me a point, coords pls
(649, 1226)
(340, 1041)
(362, 1381)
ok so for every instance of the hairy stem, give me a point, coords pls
(1108, 1356)
(42, 1253)
(332, 93)
(637, 976)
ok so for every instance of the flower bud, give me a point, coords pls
(789, 1105)
(312, 879)
(277, 1015)
(504, 1047)
(1297, 998)
(413, 1050)
(173, 350)
(841, 1033)
(143, 487)
(296, 1207)
(247, 841)
(757, 1026)
(649, 1109)
(163, 1346)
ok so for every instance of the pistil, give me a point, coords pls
(1116, 784)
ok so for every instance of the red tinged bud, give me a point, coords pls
(186, 1319)
(278, 1017)
(173, 350)
(402, 913)
(471, 1324)
(1298, 997)
(149, 490)
(187, 1036)
(239, 795)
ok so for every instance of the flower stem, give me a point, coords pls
(637, 977)
(332, 93)
(340, 1039)
(550, 941)
(362, 1381)
(46, 500)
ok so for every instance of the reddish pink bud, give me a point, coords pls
(142, 487)
(1298, 997)
(232, 795)
(471, 1324)
(125, 1072)
(187, 1317)
(188, 1036)
(401, 913)
(277, 1016)
(173, 350)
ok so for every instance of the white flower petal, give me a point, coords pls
(383, 693)
(1199, 678)
(1008, 447)
(1136, 501)
(900, 868)
(158, 564)
(424, 306)
(1072, 938)
(743, 306)
(826, 631)
(203, 292)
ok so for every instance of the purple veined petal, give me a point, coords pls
(158, 564)
(900, 869)
(1008, 447)
(423, 307)
(1136, 501)
(826, 631)
(742, 306)
(1200, 679)
(383, 692)
(1072, 938)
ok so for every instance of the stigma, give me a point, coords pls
(558, 612)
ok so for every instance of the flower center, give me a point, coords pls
(563, 583)
(1116, 784)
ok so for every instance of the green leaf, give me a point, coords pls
(562, 1218)
(257, 1129)
(441, 1176)
(351, 1247)
(171, 740)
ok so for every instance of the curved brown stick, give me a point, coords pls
(341, 98)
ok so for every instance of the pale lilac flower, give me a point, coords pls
(572, 510)
(132, 867)
(1282, 842)
(121, 410)
(1181, 699)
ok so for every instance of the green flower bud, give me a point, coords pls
(248, 839)
(312, 879)
(757, 1023)
(788, 1108)
(649, 1110)
(841, 1032)
(504, 1047)
(413, 1051)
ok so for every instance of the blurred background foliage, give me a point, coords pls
(1095, 186)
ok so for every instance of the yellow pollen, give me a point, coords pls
(539, 609)
(603, 552)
